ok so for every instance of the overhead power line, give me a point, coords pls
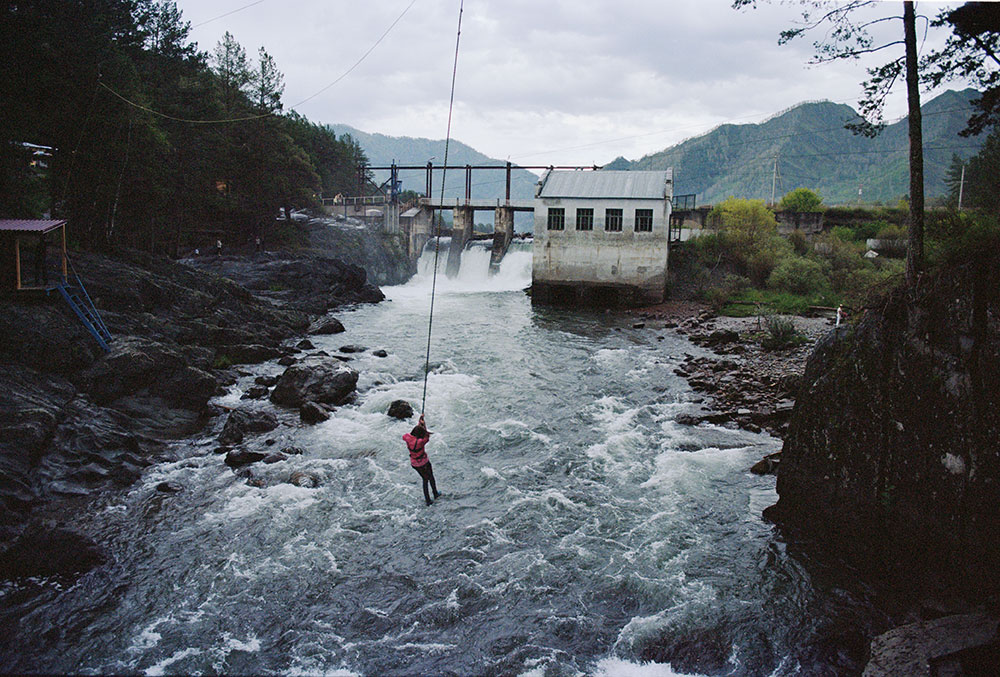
(247, 118)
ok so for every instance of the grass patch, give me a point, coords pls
(750, 302)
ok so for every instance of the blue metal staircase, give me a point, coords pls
(79, 300)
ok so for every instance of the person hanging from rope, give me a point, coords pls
(416, 440)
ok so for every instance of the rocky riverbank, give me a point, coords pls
(743, 382)
(74, 420)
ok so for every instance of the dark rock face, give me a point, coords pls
(46, 550)
(326, 382)
(400, 409)
(243, 421)
(352, 349)
(892, 449)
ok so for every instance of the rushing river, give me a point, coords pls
(580, 531)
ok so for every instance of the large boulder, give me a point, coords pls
(918, 648)
(891, 452)
(243, 421)
(315, 380)
(400, 409)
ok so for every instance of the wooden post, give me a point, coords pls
(17, 262)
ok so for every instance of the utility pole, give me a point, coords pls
(774, 178)
(961, 188)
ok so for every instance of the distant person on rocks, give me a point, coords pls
(41, 274)
(218, 248)
(257, 244)
(840, 315)
(416, 440)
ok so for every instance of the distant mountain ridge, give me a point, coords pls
(383, 150)
(814, 150)
(812, 147)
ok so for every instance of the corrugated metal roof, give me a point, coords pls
(607, 184)
(30, 225)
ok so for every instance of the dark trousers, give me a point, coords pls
(426, 472)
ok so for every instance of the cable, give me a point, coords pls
(248, 118)
(437, 240)
(233, 11)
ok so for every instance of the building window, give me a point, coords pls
(644, 220)
(613, 220)
(585, 219)
(557, 218)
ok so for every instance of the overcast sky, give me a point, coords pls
(541, 81)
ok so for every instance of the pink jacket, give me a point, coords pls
(418, 456)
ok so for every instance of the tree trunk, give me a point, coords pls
(915, 252)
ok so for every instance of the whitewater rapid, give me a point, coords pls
(582, 530)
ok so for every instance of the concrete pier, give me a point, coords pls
(460, 234)
(503, 233)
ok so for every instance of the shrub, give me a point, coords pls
(745, 226)
(891, 232)
(869, 230)
(844, 233)
(797, 239)
(781, 332)
(799, 275)
(801, 200)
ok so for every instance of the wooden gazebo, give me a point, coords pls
(17, 232)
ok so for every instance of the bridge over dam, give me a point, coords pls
(416, 221)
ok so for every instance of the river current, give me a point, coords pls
(581, 529)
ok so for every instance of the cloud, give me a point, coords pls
(558, 82)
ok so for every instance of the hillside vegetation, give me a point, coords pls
(814, 149)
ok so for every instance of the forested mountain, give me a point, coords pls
(383, 150)
(147, 141)
(814, 150)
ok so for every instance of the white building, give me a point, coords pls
(601, 237)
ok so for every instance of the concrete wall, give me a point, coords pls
(626, 267)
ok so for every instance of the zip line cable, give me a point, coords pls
(261, 116)
(437, 240)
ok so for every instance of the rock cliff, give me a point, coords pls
(893, 454)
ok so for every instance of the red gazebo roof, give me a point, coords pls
(30, 225)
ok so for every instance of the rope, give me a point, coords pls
(437, 240)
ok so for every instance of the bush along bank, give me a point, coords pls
(74, 420)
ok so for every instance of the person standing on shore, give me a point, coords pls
(416, 440)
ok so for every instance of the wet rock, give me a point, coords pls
(400, 409)
(313, 413)
(222, 449)
(64, 488)
(49, 550)
(169, 487)
(268, 381)
(276, 457)
(767, 465)
(244, 421)
(305, 344)
(241, 457)
(638, 325)
(125, 475)
(254, 481)
(352, 348)
(287, 361)
(249, 353)
(270, 442)
(380, 353)
(293, 451)
(324, 382)
(329, 325)
(255, 393)
(924, 648)
(304, 479)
